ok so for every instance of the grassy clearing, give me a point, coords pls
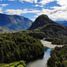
(14, 64)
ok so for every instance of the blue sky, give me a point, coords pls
(55, 9)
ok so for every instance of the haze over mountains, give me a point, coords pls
(13, 22)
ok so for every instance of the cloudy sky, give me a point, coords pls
(55, 9)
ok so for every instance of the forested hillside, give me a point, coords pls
(19, 46)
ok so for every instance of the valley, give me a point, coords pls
(32, 44)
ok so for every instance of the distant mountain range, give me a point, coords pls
(14, 22)
(62, 22)
(65, 24)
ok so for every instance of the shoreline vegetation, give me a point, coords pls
(58, 57)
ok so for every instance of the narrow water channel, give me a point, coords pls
(41, 62)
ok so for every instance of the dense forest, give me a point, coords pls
(58, 57)
(60, 39)
(19, 46)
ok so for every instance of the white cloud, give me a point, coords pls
(4, 5)
(1, 11)
(11, 0)
(62, 2)
(57, 12)
(31, 1)
(20, 11)
(43, 2)
(13, 11)
(53, 14)
(30, 11)
(38, 5)
(35, 1)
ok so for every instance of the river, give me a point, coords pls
(41, 62)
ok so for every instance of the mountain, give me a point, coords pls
(63, 22)
(14, 22)
(45, 27)
(41, 21)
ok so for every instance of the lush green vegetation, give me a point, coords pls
(37, 34)
(58, 57)
(19, 46)
(14, 64)
(59, 39)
